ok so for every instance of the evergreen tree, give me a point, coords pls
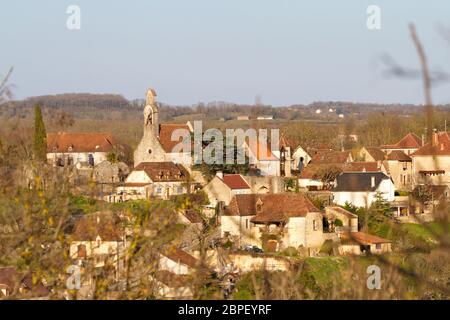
(40, 135)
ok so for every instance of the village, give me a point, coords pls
(292, 202)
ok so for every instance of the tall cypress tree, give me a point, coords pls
(40, 135)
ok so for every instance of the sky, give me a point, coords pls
(285, 51)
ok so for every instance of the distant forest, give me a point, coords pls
(116, 107)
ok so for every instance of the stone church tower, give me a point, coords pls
(150, 149)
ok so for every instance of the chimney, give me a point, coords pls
(372, 181)
(423, 140)
(219, 174)
(435, 139)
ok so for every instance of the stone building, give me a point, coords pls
(163, 142)
(78, 149)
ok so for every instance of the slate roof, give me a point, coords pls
(360, 181)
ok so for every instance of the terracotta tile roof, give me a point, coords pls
(235, 181)
(341, 210)
(376, 153)
(192, 215)
(103, 224)
(173, 280)
(272, 207)
(180, 256)
(165, 135)
(312, 170)
(79, 142)
(136, 184)
(398, 155)
(410, 141)
(362, 167)
(439, 146)
(362, 238)
(163, 171)
(331, 157)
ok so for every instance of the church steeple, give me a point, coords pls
(151, 116)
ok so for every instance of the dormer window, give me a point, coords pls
(55, 148)
(70, 149)
(259, 206)
(160, 175)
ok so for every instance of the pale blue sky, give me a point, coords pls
(287, 51)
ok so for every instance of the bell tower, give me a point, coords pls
(151, 114)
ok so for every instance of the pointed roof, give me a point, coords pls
(399, 155)
(163, 171)
(358, 181)
(376, 153)
(79, 142)
(410, 141)
(331, 157)
(362, 167)
(440, 146)
(166, 131)
(273, 207)
(235, 181)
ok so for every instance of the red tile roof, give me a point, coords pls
(312, 170)
(163, 171)
(438, 147)
(173, 280)
(398, 155)
(165, 135)
(376, 153)
(362, 238)
(362, 167)
(410, 141)
(342, 211)
(235, 181)
(180, 256)
(103, 224)
(331, 157)
(79, 142)
(271, 207)
(192, 215)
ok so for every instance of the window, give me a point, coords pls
(179, 190)
(378, 246)
(158, 190)
(315, 225)
(246, 223)
(81, 251)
